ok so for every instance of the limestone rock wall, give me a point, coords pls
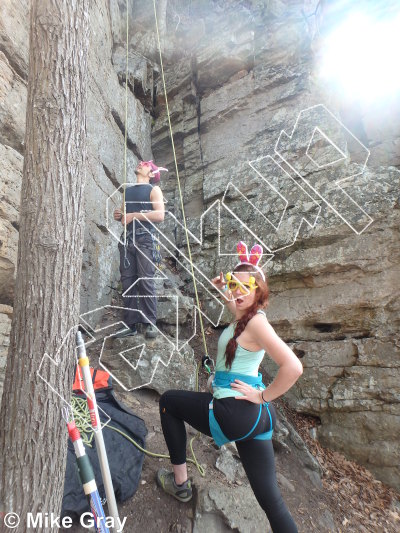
(13, 76)
(13, 72)
(5, 327)
(237, 74)
(240, 75)
(105, 168)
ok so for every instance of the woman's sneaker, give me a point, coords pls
(166, 480)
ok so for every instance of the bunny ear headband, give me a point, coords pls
(251, 259)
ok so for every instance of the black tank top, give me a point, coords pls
(137, 199)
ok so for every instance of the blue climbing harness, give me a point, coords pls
(224, 379)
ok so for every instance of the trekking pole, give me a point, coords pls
(96, 425)
(87, 476)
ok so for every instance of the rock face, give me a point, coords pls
(136, 362)
(223, 509)
(105, 164)
(237, 75)
(5, 326)
(245, 75)
(13, 73)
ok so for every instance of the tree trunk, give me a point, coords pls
(33, 435)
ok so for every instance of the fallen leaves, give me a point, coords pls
(364, 500)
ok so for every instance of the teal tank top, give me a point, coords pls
(245, 362)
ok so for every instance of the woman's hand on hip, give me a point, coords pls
(249, 393)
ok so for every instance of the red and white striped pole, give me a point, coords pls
(96, 425)
(87, 478)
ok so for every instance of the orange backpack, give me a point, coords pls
(100, 378)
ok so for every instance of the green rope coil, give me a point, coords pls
(82, 420)
(79, 405)
(81, 413)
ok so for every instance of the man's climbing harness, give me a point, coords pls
(156, 250)
(157, 257)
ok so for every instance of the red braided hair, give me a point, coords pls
(261, 301)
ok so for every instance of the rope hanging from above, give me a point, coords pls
(175, 161)
(179, 185)
(208, 360)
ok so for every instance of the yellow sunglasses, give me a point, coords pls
(244, 286)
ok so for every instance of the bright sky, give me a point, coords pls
(362, 56)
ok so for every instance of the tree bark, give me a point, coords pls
(33, 435)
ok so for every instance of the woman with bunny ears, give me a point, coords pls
(239, 407)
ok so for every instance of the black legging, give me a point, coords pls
(236, 418)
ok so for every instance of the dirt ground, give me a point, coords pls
(356, 502)
(152, 510)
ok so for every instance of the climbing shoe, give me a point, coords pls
(130, 332)
(151, 332)
(166, 481)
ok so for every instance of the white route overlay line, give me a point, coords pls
(173, 347)
(303, 219)
(170, 296)
(230, 184)
(331, 142)
(155, 365)
(198, 241)
(117, 322)
(271, 251)
(337, 183)
(56, 361)
(121, 354)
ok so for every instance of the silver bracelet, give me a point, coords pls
(262, 397)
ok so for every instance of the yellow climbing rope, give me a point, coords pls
(126, 121)
(147, 452)
(81, 414)
(184, 223)
(174, 154)
(179, 183)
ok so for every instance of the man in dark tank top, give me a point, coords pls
(143, 203)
